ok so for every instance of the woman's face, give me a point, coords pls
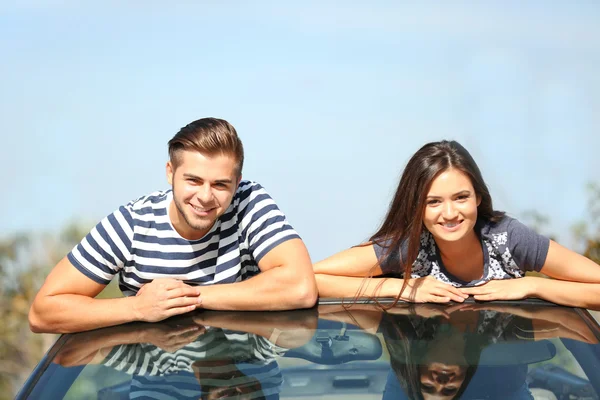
(444, 365)
(451, 207)
(441, 381)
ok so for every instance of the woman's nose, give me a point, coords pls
(449, 212)
(443, 378)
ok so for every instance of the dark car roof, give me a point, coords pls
(340, 348)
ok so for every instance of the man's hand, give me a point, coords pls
(170, 338)
(430, 290)
(164, 298)
(504, 289)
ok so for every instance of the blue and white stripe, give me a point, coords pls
(139, 241)
(158, 374)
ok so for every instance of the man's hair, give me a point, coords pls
(209, 136)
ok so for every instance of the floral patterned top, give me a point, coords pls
(509, 250)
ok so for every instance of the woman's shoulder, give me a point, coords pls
(505, 225)
(509, 232)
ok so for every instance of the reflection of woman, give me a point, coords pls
(430, 359)
(442, 235)
(435, 351)
(436, 359)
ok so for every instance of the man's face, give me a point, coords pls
(203, 187)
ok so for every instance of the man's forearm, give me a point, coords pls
(83, 348)
(66, 313)
(275, 289)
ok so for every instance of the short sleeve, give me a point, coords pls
(105, 250)
(528, 248)
(133, 359)
(389, 261)
(264, 226)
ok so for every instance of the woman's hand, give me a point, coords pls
(430, 290)
(504, 289)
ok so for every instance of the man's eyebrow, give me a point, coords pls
(223, 180)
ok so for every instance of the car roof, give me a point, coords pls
(366, 348)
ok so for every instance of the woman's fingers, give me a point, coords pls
(449, 292)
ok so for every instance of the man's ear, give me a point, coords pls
(170, 173)
(239, 180)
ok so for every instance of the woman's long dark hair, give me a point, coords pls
(404, 220)
(402, 343)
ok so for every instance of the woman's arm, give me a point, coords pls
(359, 261)
(548, 322)
(577, 279)
(576, 283)
(345, 275)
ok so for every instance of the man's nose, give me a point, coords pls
(204, 193)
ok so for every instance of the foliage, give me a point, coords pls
(588, 232)
(25, 260)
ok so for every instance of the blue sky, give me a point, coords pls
(330, 98)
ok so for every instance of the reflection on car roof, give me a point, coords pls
(471, 350)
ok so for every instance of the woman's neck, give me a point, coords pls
(463, 259)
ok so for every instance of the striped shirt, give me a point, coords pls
(139, 242)
(218, 359)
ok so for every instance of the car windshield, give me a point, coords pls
(518, 350)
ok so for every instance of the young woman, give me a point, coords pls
(442, 241)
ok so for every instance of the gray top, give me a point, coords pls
(509, 250)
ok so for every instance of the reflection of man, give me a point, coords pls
(223, 379)
(182, 359)
(218, 361)
(177, 249)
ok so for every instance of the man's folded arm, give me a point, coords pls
(286, 282)
(66, 302)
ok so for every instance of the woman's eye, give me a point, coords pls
(427, 388)
(433, 202)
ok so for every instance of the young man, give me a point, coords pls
(196, 245)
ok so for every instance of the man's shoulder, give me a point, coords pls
(248, 191)
(247, 186)
(149, 202)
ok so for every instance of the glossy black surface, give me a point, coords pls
(519, 350)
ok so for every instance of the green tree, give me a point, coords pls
(588, 232)
(25, 260)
